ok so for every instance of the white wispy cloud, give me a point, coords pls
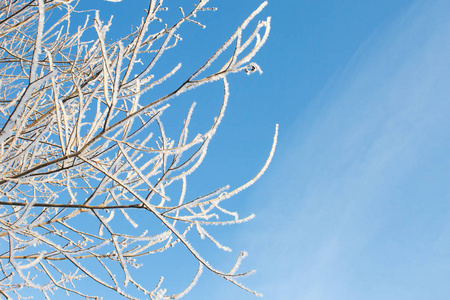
(361, 201)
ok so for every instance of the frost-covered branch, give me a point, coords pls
(84, 150)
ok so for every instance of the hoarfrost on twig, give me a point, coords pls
(83, 136)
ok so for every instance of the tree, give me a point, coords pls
(84, 153)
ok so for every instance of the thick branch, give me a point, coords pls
(71, 205)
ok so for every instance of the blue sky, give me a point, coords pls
(356, 203)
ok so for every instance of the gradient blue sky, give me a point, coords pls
(356, 203)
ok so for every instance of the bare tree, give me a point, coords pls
(84, 153)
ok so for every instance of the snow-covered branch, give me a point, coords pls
(84, 152)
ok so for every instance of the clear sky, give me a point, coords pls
(356, 204)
